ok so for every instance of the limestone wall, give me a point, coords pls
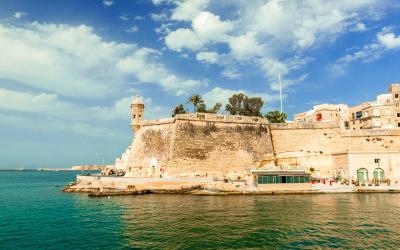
(314, 146)
(205, 145)
(150, 143)
(200, 145)
(218, 147)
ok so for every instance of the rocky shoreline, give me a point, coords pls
(208, 189)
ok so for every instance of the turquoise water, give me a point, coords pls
(35, 214)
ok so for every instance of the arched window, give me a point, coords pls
(379, 174)
(362, 175)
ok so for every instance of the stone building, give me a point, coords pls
(383, 113)
(337, 113)
(368, 166)
(395, 91)
(250, 149)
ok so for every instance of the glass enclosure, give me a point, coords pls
(271, 179)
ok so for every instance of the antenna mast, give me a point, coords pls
(280, 91)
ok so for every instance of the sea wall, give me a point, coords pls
(314, 146)
(208, 145)
(200, 145)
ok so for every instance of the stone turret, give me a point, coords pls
(137, 113)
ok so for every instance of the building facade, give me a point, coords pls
(325, 113)
(382, 113)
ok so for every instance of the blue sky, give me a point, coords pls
(69, 69)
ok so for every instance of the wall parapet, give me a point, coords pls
(370, 132)
(221, 118)
(209, 118)
(158, 122)
(295, 125)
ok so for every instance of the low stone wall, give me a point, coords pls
(125, 182)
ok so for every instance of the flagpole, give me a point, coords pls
(280, 91)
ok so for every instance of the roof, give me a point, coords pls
(280, 172)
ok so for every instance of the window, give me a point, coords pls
(359, 114)
(398, 124)
(396, 95)
(134, 116)
(282, 179)
(398, 114)
(377, 160)
(318, 116)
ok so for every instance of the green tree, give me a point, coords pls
(241, 104)
(216, 108)
(276, 117)
(179, 109)
(202, 108)
(195, 99)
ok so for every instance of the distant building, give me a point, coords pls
(383, 113)
(331, 113)
(395, 91)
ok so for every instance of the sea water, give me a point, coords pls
(36, 214)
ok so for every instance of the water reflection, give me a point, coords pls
(35, 214)
(184, 221)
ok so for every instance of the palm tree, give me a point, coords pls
(195, 99)
(276, 116)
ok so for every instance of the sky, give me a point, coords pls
(70, 69)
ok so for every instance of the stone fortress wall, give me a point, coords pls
(199, 145)
(316, 146)
(221, 146)
(227, 146)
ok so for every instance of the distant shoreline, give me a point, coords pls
(44, 170)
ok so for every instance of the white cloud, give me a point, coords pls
(132, 29)
(360, 27)
(108, 3)
(209, 57)
(206, 28)
(19, 14)
(159, 2)
(76, 61)
(124, 17)
(209, 27)
(286, 83)
(273, 68)
(187, 10)
(385, 41)
(50, 105)
(389, 39)
(158, 17)
(48, 124)
(302, 24)
(245, 46)
(163, 29)
(266, 33)
(139, 18)
(70, 116)
(151, 72)
(183, 38)
(231, 73)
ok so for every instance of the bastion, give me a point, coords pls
(250, 153)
